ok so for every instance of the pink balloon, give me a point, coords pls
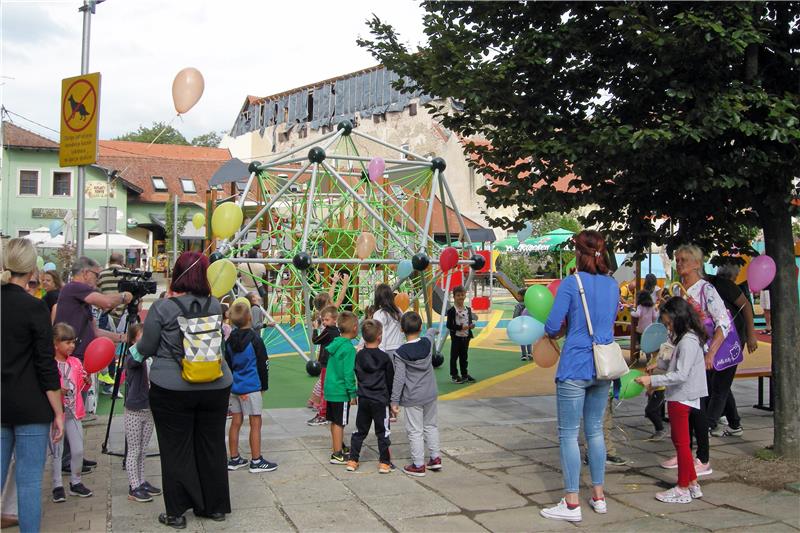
(760, 272)
(553, 286)
(375, 168)
(449, 259)
(187, 88)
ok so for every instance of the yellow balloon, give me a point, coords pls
(226, 219)
(221, 276)
(241, 300)
(198, 220)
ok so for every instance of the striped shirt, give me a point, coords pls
(107, 283)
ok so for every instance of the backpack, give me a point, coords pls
(202, 342)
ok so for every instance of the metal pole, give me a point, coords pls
(429, 214)
(175, 232)
(309, 213)
(108, 197)
(88, 9)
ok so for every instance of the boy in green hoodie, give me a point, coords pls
(340, 382)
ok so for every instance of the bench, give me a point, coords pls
(761, 373)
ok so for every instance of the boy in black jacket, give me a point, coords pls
(327, 332)
(375, 374)
(460, 325)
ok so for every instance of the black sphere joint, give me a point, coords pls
(420, 262)
(215, 256)
(346, 126)
(437, 163)
(301, 261)
(313, 368)
(316, 155)
(478, 262)
(254, 166)
(437, 360)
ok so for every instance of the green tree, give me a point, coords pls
(677, 112)
(169, 226)
(210, 139)
(160, 132)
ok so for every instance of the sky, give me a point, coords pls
(240, 46)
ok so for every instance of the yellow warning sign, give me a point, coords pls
(80, 107)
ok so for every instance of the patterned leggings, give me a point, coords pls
(138, 429)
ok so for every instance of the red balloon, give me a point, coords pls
(142, 315)
(553, 286)
(449, 259)
(98, 355)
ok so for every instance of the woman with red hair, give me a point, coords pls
(189, 417)
(579, 394)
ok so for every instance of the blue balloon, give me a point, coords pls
(524, 330)
(55, 227)
(525, 233)
(653, 337)
(404, 269)
(49, 266)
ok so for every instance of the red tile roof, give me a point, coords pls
(18, 137)
(140, 162)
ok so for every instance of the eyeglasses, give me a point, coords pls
(96, 274)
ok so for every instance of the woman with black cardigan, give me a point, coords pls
(189, 417)
(31, 386)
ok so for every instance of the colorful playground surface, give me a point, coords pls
(493, 360)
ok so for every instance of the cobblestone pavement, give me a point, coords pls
(501, 466)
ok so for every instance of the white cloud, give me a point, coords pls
(241, 47)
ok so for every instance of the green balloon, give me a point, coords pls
(39, 262)
(628, 387)
(538, 302)
(569, 266)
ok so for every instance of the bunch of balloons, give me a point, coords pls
(529, 327)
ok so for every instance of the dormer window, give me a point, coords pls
(159, 185)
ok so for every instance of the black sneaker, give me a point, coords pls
(79, 489)
(84, 470)
(90, 464)
(345, 449)
(139, 494)
(59, 495)
(262, 465)
(457, 380)
(615, 460)
(467, 379)
(175, 522)
(317, 421)
(338, 458)
(237, 462)
(153, 491)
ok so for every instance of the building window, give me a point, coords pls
(159, 184)
(412, 109)
(22, 233)
(29, 182)
(188, 185)
(62, 183)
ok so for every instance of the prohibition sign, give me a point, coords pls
(79, 105)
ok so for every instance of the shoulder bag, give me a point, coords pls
(608, 360)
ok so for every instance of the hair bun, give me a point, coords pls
(5, 277)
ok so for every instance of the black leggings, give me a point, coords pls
(190, 426)
(459, 350)
(653, 409)
(720, 397)
(698, 427)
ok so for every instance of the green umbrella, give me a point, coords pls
(509, 243)
(549, 242)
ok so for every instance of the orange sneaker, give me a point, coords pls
(352, 466)
(384, 468)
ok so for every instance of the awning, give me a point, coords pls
(116, 241)
(233, 170)
(190, 233)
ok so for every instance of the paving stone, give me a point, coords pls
(489, 497)
(521, 519)
(533, 482)
(650, 524)
(646, 501)
(618, 513)
(366, 484)
(409, 505)
(510, 461)
(670, 476)
(319, 490)
(776, 527)
(626, 482)
(347, 517)
(721, 518)
(437, 524)
(780, 505)
(267, 518)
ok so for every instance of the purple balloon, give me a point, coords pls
(525, 313)
(760, 272)
(375, 168)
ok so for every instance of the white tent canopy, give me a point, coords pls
(116, 241)
(39, 235)
(55, 242)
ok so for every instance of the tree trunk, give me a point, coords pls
(785, 333)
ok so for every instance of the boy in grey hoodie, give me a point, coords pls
(415, 389)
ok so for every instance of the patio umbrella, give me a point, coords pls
(116, 241)
(509, 243)
(550, 241)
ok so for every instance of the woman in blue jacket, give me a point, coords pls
(579, 394)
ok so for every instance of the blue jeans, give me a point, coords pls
(575, 399)
(29, 443)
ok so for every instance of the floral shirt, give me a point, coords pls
(702, 292)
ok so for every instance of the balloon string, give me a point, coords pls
(147, 148)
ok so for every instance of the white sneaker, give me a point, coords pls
(723, 420)
(599, 506)
(695, 492)
(562, 512)
(674, 495)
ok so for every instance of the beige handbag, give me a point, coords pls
(608, 360)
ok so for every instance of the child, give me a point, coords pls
(74, 380)
(519, 308)
(645, 311)
(388, 314)
(256, 311)
(138, 420)
(460, 325)
(415, 389)
(323, 337)
(685, 381)
(226, 327)
(340, 382)
(247, 358)
(375, 375)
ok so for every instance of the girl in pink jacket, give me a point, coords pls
(74, 380)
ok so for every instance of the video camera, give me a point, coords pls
(136, 282)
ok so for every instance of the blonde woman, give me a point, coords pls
(31, 388)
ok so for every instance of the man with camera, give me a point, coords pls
(108, 282)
